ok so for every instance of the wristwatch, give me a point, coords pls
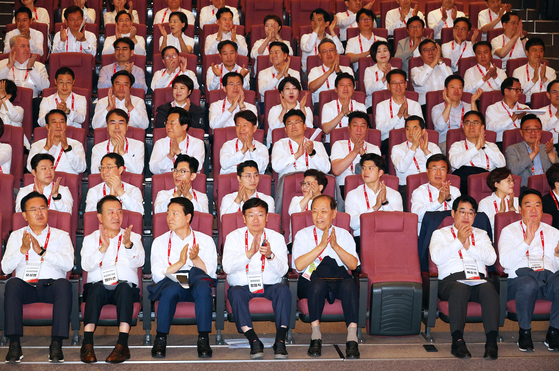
(272, 255)
(58, 198)
(43, 250)
(385, 203)
(312, 153)
(68, 149)
(131, 245)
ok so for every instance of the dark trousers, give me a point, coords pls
(464, 172)
(527, 289)
(317, 290)
(18, 292)
(458, 295)
(200, 293)
(279, 294)
(96, 296)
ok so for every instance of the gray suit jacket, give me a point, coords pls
(403, 52)
(518, 160)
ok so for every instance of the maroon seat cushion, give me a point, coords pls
(37, 311)
(474, 309)
(108, 312)
(184, 310)
(542, 306)
(329, 309)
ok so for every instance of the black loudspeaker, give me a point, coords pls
(552, 9)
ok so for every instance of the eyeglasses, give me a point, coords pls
(36, 209)
(305, 184)
(108, 167)
(250, 176)
(437, 169)
(518, 90)
(415, 27)
(466, 214)
(472, 123)
(532, 130)
(554, 92)
(172, 56)
(398, 83)
(291, 123)
(181, 171)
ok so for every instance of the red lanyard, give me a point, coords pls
(472, 239)
(114, 68)
(213, 10)
(45, 247)
(361, 45)
(237, 145)
(35, 190)
(463, 49)
(349, 146)
(510, 115)
(262, 256)
(169, 246)
(541, 237)
(414, 160)
(471, 162)
(490, 16)
(105, 188)
(497, 209)
(528, 76)
(109, 142)
(327, 81)
(58, 158)
(441, 9)
(117, 249)
(391, 113)
(338, 106)
(14, 75)
(306, 155)
(171, 82)
(316, 242)
(193, 193)
(68, 41)
(56, 101)
(223, 108)
(431, 197)
(366, 196)
(554, 199)
(36, 15)
(550, 113)
(170, 142)
(514, 46)
(483, 75)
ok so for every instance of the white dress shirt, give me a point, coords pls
(138, 116)
(162, 16)
(499, 118)
(295, 205)
(473, 79)
(129, 260)
(455, 118)
(408, 162)
(305, 242)
(133, 157)
(525, 74)
(72, 162)
(107, 72)
(341, 148)
(161, 203)
(139, 46)
(89, 46)
(435, 20)
(230, 156)
(75, 102)
(331, 109)
(491, 205)
(426, 79)
(550, 121)
(448, 253)
(484, 17)
(229, 206)
(220, 117)
(35, 42)
(5, 157)
(360, 44)
(63, 205)
(161, 258)
(465, 153)
(373, 82)
(209, 12)
(275, 123)
(309, 46)
(109, 17)
(13, 115)
(513, 249)
(356, 203)
(254, 51)
(330, 84)
(89, 15)
(161, 79)
(235, 260)
(159, 163)
(211, 43)
(174, 41)
(36, 79)
(425, 198)
(348, 19)
(392, 20)
(55, 262)
(386, 115)
(517, 51)
(131, 199)
(214, 82)
(267, 80)
(455, 52)
(283, 158)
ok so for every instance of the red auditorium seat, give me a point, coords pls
(13, 136)
(465, 63)
(398, 136)
(414, 181)
(314, 61)
(490, 97)
(402, 33)
(382, 95)
(42, 28)
(538, 182)
(97, 5)
(272, 98)
(540, 100)
(165, 181)
(257, 32)
(418, 62)
(478, 189)
(433, 98)
(511, 137)
(24, 100)
(81, 91)
(373, 136)
(7, 205)
(327, 96)
(82, 64)
(136, 92)
(301, 14)
(354, 181)
(367, 62)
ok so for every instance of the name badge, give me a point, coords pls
(470, 268)
(308, 272)
(536, 264)
(31, 273)
(110, 276)
(255, 283)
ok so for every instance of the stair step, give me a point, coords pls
(545, 26)
(548, 38)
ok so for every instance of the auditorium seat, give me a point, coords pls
(272, 98)
(416, 180)
(382, 95)
(402, 33)
(7, 206)
(82, 64)
(24, 100)
(540, 100)
(490, 97)
(300, 11)
(465, 63)
(327, 96)
(355, 180)
(478, 188)
(367, 62)
(80, 91)
(373, 136)
(433, 98)
(513, 136)
(13, 136)
(540, 183)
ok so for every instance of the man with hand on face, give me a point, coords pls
(269, 78)
(119, 96)
(358, 47)
(227, 50)
(400, 17)
(490, 18)
(23, 21)
(444, 17)
(182, 86)
(124, 28)
(9, 113)
(226, 31)
(112, 277)
(459, 47)
(73, 37)
(550, 119)
(249, 178)
(511, 43)
(462, 252)
(111, 169)
(244, 147)
(255, 261)
(131, 150)
(184, 174)
(69, 155)
(222, 112)
(175, 66)
(529, 253)
(40, 257)
(321, 21)
(44, 182)
(323, 250)
(192, 253)
(124, 50)
(484, 75)
(208, 13)
(409, 47)
(350, 18)
(430, 76)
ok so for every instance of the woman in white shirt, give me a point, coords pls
(178, 23)
(272, 27)
(501, 182)
(9, 114)
(115, 6)
(375, 75)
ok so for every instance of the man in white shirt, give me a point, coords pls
(178, 24)
(350, 18)
(244, 147)
(163, 15)
(40, 257)
(68, 153)
(112, 277)
(124, 50)
(73, 37)
(222, 112)
(65, 100)
(269, 78)
(331, 253)
(410, 157)
(184, 173)
(227, 50)
(23, 21)
(462, 252)
(437, 194)
(459, 47)
(177, 141)
(372, 196)
(175, 66)
(131, 150)
(511, 43)
(88, 13)
(124, 28)
(322, 78)
(182, 86)
(444, 17)
(44, 182)
(532, 268)
(399, 17)
(111, 169)
(474, 155)
(119, 96)
(409, 47)
(321, 21)
(430, 76)
(249, 178)
(550, 119)
(484, 75)
(534, 75)
(358, 47)
(501, 116)
(207, 14)
(272, 27)
(186, 252)
(490, 18)
(255, 261)
(227, 31)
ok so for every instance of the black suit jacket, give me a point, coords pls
(196, 112)
(550, 207)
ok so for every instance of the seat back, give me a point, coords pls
(280, 133)
(138, 60)
(314, 61)
(80, 91)
(327, 96)
(490, 97)
(263, 62)
(433, 98)
(465, 63)
(491, 34)
(161, 4)
(513, 136)
(24, 100)
(447, 35)
(101, 134)
(215, 95)
(540, 100)
(272, 98)
(165, 181)
(538, 182)
(456, 135)
(354, 181)
(418, 62)
(398, 136)
(416, 180)
(354, 32)
(135, 92)
(382, 95)
(242, 60)
(13, 136)
(42, 28)
(255, 11)
(478, 188)
(367, 62)
(141, 28)
(136, 180)
(91, 222)
(78, 134)
(7, 205)
(160, 133)
(513, 64)
(228, 183)
(257, 32)
(57, 219)
(402, 33)
(473, 11)
(301, 12)
(234, 221)
(201, 222)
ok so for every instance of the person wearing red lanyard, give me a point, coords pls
(321, 21)
(490, 18)
(349, 18)
(40, 15)
(123, 52)
(462, 252)
(111, 250)
(207, 14)
(432, 74)
(228, 54)
(257, 254)
(226, 31)
(534, 75)
(359, 46)
(484, 75)
(272, 28)
(409, 47)
(163, 15)
(182, 250)
(443, 17)
(269, 78)
(116, 6)
(183, 86)
(125, 28)
(10, 114)
(529, 253)
(510, 44)
(23, 21)
(501, 182)
(375, 76)
(50, 251)
(178, 24)
(399, 17)
(89, 13)
(72, 37)
(459, 47)
(314, 182)
(551, 200)
(550, 119)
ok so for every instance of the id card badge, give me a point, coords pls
(31, 273)
(536, 264)
(308, 272)
(255, 283)
(110, 276)
(470, 268)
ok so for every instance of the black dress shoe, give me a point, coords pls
(352, 350)
(279, 350)
(256, 349)
(159, 349)
(315, 349)
(525, 343)
(55, 352)
(204, 350)
(459, 349)
(552, 340)
(491, 351)
(15, 355)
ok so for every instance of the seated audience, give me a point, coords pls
(40, 14)
(409, 47)
(501, 183)
(484, 75)
(321, 21)
(164, 15)
(222, 112)
(511, 43)
(116, 6)
(272, 28)
(399, 17)
(490, 18)
(227, 51)
(182, 86)
(444, 17)
(375, 76)
(125, 28)
(269, 78)
(5, 153)
(432, 74)
(73, 36)
(124, 50)
(459, 47)
(359, 46)
(23, 19)
(350, 18)
(88, 13)
(207, 14)
(178, 23)
(550, 119)
(175, 66)
(226, 31)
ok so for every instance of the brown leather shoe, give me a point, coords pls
(87, 355)
(119, 354)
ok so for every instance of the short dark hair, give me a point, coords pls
(320, 177)
(123, 73)
(247, 115)
(52, 112)
(168, 47)
(1, 127)
(436, 158)
(184, 115)
(226, 42)
(43, 156)
(534, 41)
(64, 71)
(119, 161)
(71, 10)
(193, 163)
(255, 202)
(31, 195)
(397, 71)
(496, 176)
(106, 198)
(294, 112)
(549, 86)
(414, 19)
(452, 78)
(221, 11)
(121, 13)
(464, 198)
(475, 113)
(358, 115)
(365, 11)
(243, 165)
(508, 83)
(185, 80)
(379, 161)
(275, 18)
(11, 88)
(282, 45)
(326, 41)
(333, 204)
(289, 79)
(464, 19)
(374, 49)
(506, 17)
(482, 43)
(230, 75)
(529, 191)
(128, 41)
(425, 42)
(186, 204)
(182, 18)
(25, 10)
(416, 118)
(119, 112)
(552, 175)
(529, 116)
(344, 75)
(327, 17)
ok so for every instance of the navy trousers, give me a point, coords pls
(97, 295)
